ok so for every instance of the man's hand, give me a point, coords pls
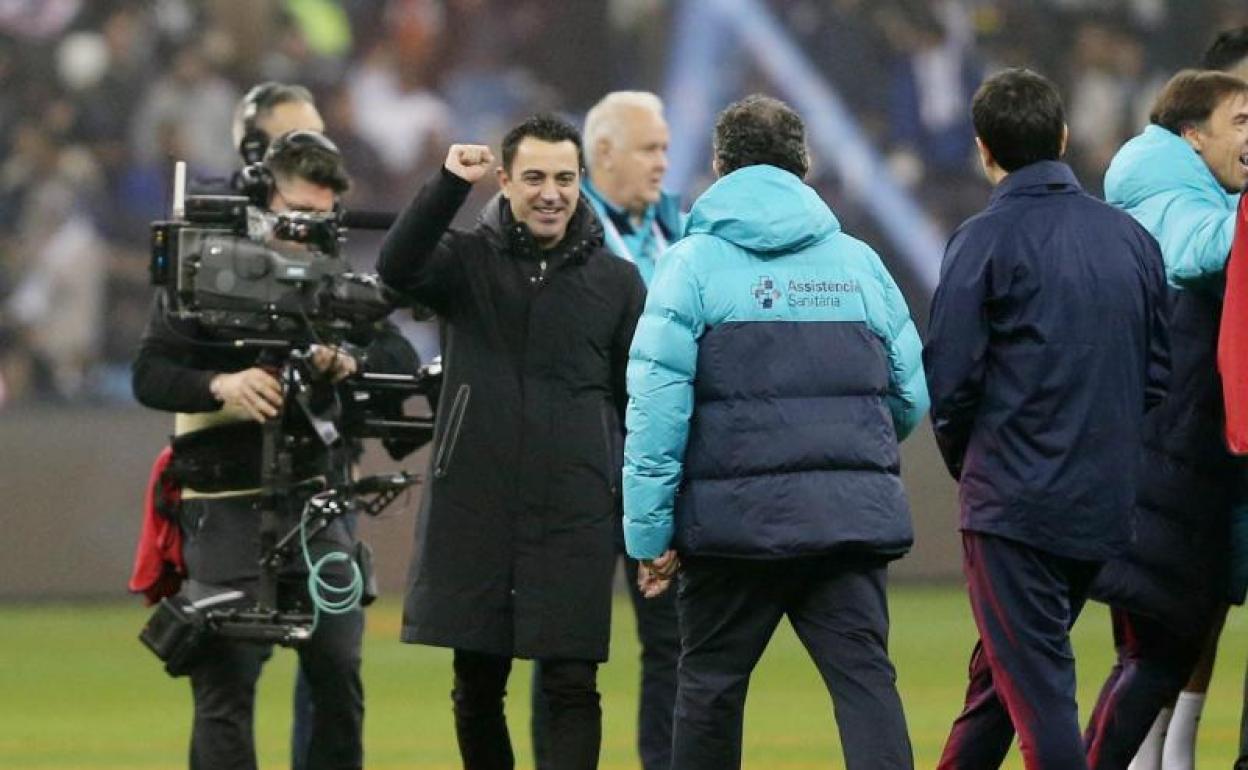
(469, 162)
(655, 575)
(253, 391)
(335, 363)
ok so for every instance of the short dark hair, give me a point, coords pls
(1019, 117)
(1191, 96)
(545, 127)
(1227, 50)
(761, 130)
(310, 156)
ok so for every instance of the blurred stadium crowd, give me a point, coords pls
(98, 97)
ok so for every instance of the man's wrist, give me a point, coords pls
(214, 387)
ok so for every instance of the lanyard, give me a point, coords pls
(615, 241)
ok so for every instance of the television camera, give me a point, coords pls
(276, 283)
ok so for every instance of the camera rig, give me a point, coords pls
(275, 283)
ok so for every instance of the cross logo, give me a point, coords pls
(765, 293)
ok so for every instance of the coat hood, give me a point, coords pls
(1155, 161)
(763, 209)
(584, 233)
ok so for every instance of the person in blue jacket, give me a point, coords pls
(1047, 344)
(774, 370)
(1167, 593)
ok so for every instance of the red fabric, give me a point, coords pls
(158, 565)
(1233, 337)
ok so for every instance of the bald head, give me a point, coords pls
(626, 141)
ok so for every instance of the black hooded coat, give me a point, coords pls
(514, 552)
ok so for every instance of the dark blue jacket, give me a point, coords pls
(772, 373)
(1047, 345)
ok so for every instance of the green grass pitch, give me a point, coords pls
(78, 692)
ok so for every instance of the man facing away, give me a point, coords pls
(772, 374)
(1046, 346)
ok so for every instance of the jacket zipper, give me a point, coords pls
(453, 424)
(609, 445)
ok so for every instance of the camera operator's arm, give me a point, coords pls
(417, 257)
(175, 373)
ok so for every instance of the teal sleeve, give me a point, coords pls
(907, 394)
(661, 367)
(1195, 233)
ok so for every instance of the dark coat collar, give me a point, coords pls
(1045, 177)
(503, 232)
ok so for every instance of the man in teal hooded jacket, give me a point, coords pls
(1179, 179)
(773, 372)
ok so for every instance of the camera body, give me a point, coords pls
(240, 271)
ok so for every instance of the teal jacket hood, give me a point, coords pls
(1155, 161)
(1160, 180)
(763, 209)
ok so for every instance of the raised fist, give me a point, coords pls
(469, 162)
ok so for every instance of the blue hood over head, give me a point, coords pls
(763, 209)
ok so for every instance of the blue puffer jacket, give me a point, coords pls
(772, 373)
(1176, 567)
(1160, 180)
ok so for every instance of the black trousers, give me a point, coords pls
(729, 609)
(221, 545)
(1153, 664)
(1022, 672)
(223, 683)
(658, 632)
(570, 689)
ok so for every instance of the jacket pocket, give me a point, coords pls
(612, 462)
(455, 421)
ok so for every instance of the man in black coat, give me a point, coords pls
(514, 546)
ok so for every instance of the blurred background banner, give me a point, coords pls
(99, 97)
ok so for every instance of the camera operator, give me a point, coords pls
(270, 110)
(220, 394)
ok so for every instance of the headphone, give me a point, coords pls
(255, 141)
(256, 181)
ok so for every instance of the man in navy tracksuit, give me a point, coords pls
(772, 373)
(1047, 345)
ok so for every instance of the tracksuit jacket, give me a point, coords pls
(774, 369)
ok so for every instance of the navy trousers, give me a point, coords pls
(1154, 662)
(729, 609)
(1022, 672)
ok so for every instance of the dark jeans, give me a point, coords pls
(729, 609)
(659, 634)
(1022, 672)
(1153, 665)
(224, 688)
(570, 688)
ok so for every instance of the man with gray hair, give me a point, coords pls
(625, 151)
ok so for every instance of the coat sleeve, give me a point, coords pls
(957, 348)
(1157, 382)
(164, 375)
(907, 389)
(418, 257)
(1195, 230)
(635, 290)
(662, 363)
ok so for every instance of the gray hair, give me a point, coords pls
(602, 120)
